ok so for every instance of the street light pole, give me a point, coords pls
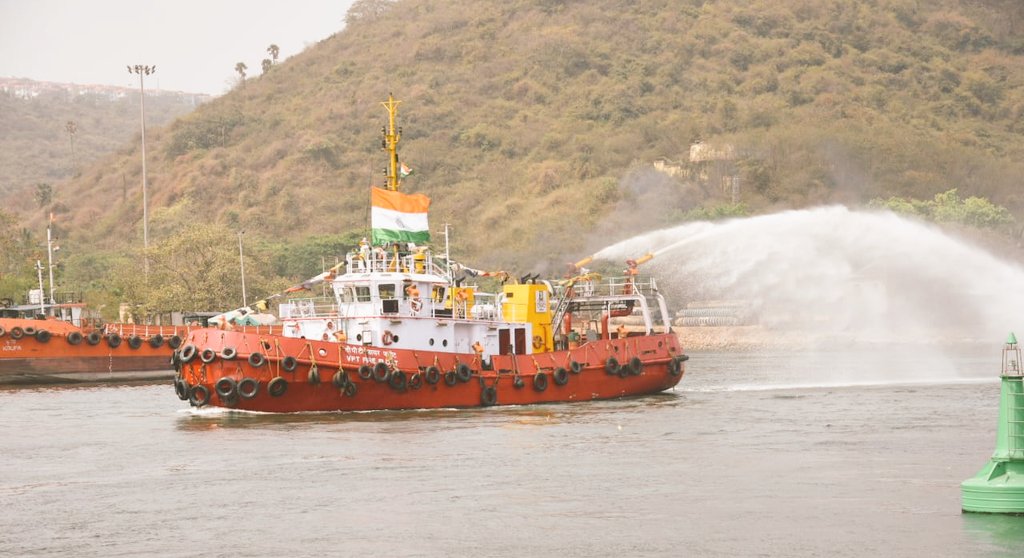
(143, 71)
(241, 263)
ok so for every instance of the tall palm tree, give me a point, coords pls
(273, 51)
(241, 68)
(266, 64)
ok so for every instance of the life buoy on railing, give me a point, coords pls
(388, 338)
(416, 305)
(538, 341)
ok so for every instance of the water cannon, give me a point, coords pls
(635, 263)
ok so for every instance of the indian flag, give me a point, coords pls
(398, 217)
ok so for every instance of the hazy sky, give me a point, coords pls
(194, 44)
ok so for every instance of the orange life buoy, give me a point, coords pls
(538, 341)
(416, 304)
(387, 338)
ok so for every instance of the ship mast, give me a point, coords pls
(392, 136)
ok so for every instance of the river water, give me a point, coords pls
(830, 453)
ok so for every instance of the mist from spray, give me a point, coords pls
(841, 276)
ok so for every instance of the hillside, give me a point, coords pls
(51, 131)
(534, 125)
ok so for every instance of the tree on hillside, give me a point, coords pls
(44, 194)
(273, 51)
(266, 65)
(241, 68)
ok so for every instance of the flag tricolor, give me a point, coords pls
(398, 217)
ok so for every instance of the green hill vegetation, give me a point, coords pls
(535, 125)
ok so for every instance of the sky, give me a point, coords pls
(194, 44)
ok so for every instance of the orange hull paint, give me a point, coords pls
(660, 357)
(65, 353)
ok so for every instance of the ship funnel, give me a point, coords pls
(999, 486)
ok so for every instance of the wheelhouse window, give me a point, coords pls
(386, 291)
(362, 294)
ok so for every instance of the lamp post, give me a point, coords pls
(241, 263)
(143, 71)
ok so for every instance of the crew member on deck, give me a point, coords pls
(621, 330)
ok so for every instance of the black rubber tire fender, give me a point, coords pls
(365, 372)
(207, 355)
(228, 353)
(488, 396)
(248, 388)
(156, 341)
(611, 366)
(575, 367)
(75, 338)
(257, 360)
(17, 332)
(560, 376)
(463, 372)
(93, 338)
(114, 340)
(288, 363)
(277, 387)
(540, 381)
(432, 375)
(43, 336)
(174, 342)
(134, 341)
(226, 388)
(198, 396)
(187, 353)
(381, 372)
(398, 380)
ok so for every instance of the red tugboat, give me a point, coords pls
(402, 332)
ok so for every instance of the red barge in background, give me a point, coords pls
(402, 332)
(51, 350)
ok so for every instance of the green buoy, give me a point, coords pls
(999, 486)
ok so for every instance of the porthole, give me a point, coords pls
(359, 337)
(394, 338)
(322, 352)
(431, 341)
(444, 342)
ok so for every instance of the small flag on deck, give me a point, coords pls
(404, 171)
(398, 217)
